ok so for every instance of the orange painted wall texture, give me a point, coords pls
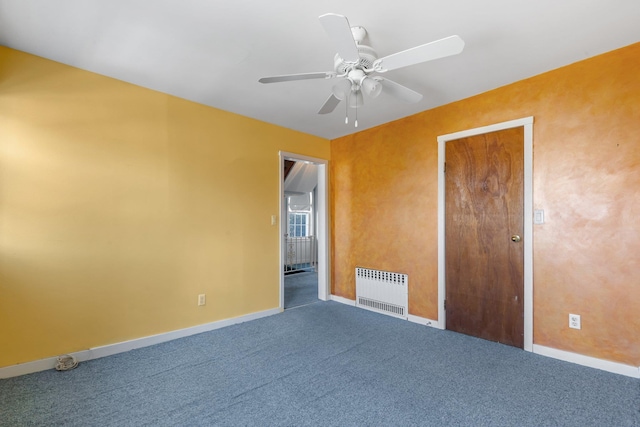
(586, 178)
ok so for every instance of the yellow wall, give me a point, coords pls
(586, 178)
(119, 205)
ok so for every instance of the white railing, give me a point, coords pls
(301, 253)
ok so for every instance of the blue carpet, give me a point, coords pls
(323, 364)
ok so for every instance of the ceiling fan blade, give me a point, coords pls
(330, 104)
(339, 30)
(303, 76)
(399, 91)
(438, 49)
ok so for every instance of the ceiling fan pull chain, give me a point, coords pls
(346, 112)
(356, 123)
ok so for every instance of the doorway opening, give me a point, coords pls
(303, 230)
(527, 218)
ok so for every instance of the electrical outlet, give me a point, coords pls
(202, 299)
(574, 321)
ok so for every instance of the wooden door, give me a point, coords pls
(484, 203)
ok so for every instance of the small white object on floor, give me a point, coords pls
(66, 363)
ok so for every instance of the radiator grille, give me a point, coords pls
(382, 291)
(382, 306)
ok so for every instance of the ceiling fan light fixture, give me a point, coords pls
(371, 86)
(341, 89)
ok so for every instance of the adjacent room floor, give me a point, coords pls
(300, 288)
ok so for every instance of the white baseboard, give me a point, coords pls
(121, 347)
(342, 300)
(592, 362)
(424, 321)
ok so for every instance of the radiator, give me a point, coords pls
(382, 292)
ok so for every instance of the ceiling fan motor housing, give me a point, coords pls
(367, 58)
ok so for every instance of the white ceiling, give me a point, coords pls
(214, 51)
(302, 178)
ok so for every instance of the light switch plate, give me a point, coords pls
(538, 216)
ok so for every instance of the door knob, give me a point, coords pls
(515, 238)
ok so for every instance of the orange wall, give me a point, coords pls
(586, 178)
(119, 205)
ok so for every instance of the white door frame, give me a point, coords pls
(527, 123)
(322, 225)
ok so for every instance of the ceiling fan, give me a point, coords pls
(355, 64)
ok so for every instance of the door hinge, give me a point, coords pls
(445, 304)
(445, 167)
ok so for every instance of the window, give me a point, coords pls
(300, 218)
(298, 224)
